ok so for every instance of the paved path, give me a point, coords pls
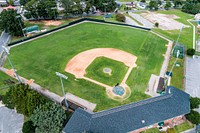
(54, 97)
(194, 33)
(166, 60)
(142, 20)
(130, 21)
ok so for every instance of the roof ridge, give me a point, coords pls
(128, 106)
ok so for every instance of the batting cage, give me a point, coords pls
(181, 49)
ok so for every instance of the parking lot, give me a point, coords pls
(192, 76)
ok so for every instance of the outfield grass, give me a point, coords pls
(41, 58)
(95, 71)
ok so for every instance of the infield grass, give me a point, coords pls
(95, 71)
(41, 58)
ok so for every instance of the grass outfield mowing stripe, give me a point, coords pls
(41, 58)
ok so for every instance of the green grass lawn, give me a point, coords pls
(187, 33)
(177, 73)
(95, 71)
(186, 38)
(183, 127)
(41, 58)
(3, 87)
(178, 129)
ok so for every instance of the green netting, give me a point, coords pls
(32, 28)
(181, 50)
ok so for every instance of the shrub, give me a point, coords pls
(120, 17)
(194, 117)
(190, 51)
(194, 102)
(49, 118)
(28, 127)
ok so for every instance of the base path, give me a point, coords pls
(78, 64)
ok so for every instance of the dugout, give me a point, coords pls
(181, 49)
(161, 87)
(32, 29)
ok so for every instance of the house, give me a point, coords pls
(3, 2)
(197, 17)
(133, 117)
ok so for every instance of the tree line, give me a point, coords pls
(42, 115)
(47, 9)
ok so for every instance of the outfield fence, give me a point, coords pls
(71, 24)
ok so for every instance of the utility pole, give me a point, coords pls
(7, 53)
(61, 77)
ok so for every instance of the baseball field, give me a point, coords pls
(41, 58)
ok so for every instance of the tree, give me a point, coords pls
(23, 99)
(156, 24)
(109, 5)
(167, 5)
(43, 9)
(191, 7)
(49, 118)
(67, 4)
(89, 5)
(10, 2)
(23, 2)
(120, 17)
(10, 22)
(190, 51)
(194, 117)
(153, 5)
(194, 102)
(177, 3)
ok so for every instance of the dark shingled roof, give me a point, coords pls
(129, 117)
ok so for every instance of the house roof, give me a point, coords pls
(132, 116)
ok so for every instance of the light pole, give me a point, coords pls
(61, 77)
(7, 53)
(20, 24)
(177, 38)
(53, 8)
(105, 4)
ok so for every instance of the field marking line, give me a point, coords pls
(96, 82)
(194, 35)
